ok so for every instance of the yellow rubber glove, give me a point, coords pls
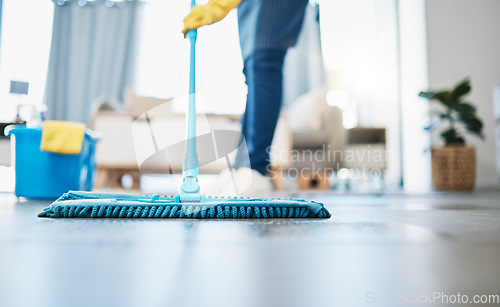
(207, 14)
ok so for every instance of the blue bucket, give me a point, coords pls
(41, 174)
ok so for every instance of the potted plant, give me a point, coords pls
(454, 164)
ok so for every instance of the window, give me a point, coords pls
(24, 51)
(163, 58)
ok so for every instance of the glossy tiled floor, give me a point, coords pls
(373, 248)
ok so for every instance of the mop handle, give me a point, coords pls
(192, 86)
(191, 160)
(190, 189)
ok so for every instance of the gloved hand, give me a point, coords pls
(207, 14)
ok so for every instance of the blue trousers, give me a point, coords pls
(263, 71)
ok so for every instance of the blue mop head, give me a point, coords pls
(77, 204)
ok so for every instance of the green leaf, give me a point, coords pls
(461, 89)
(426, 95)
(444, 97)
(451, 137)
(466, 108)
(432, 126)
(473, 125)
(459, 141)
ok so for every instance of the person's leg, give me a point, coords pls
(263, 72)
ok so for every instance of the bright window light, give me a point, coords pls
(163, 58)
(341, 99)
(26, 36)
(338, 98)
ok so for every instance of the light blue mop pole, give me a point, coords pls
(190, 189)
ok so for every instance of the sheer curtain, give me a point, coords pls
(91, 55)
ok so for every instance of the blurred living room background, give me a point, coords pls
(351, 84)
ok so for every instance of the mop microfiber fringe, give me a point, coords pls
(77, 204)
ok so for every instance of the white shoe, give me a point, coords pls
(247, 183)
(215, 187)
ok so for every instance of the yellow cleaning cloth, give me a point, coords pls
(62, 137)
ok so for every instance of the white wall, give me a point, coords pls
(463, 39)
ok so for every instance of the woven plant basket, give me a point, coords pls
(454, 168)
